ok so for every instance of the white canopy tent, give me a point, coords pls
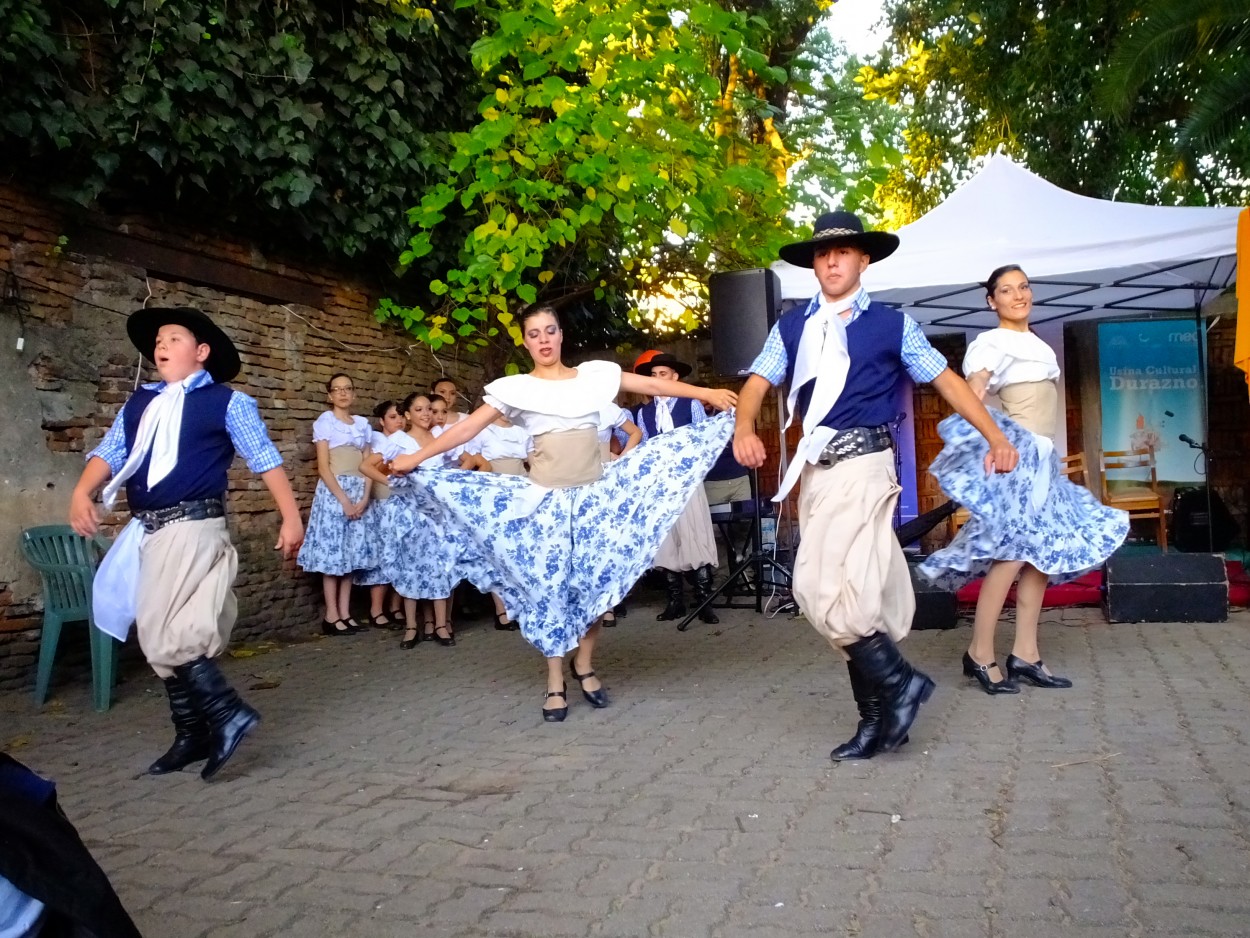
(1086, 258)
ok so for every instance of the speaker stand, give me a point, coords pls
(758, 560)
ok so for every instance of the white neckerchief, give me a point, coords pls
(159, 429)
(822, 355)
(664, 414)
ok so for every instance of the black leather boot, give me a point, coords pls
(676, 607)
(702, 590)
(229, 717)
(863, 745)
(191, 736)
(900, 688)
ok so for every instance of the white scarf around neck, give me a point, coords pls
(822, 355)
(158, 432)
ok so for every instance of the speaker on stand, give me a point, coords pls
(744, 306)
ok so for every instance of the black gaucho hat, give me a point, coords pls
(840, 228)
(223, 361)
(665, 359)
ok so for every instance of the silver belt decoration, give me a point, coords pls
(201, 510)
(857, 441)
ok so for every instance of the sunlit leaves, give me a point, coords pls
(609, 160)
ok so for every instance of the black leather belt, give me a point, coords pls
(857, 441)
(200, 510)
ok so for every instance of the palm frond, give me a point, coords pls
(1220, 113)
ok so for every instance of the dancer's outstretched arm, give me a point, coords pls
(453, 436)
(720, 398)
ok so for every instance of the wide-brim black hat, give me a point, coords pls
(223, 361)
(834, 228)
(667, 360)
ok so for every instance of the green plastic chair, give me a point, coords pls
(67, 563)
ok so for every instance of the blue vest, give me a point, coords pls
(726, 467)
(682, 415)
(874, 342)
(205, 450)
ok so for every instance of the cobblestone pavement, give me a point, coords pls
(419, 793)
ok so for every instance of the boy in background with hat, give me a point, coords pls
(845, 359)
(171, 446)
(690, 547)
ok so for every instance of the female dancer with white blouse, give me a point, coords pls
(1032, 523)
(333, 544)
(564, 546)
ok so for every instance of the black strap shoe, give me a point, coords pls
(982, 673)
(1036, 674)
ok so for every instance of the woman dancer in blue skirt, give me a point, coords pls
(564, 546)
(1032, 523)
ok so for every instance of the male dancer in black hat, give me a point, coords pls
(845, 358)
(171, 446)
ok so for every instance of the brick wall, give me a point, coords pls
(76, 368)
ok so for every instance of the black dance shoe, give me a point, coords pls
(596, 698)
(1035, 674)
(448, 639)
(982, 673)
(407, 643)
(557, 714)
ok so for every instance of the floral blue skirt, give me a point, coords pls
(560, 558)
(376, 533)
(418, 558)
(1032, 514)
(332, 544)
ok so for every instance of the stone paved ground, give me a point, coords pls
(419, 794)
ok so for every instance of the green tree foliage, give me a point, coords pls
(625, 150)
(1022, 78)
(1210, 37)
(306, 125)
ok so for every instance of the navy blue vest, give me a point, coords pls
(682, 415)
(874, 341)
(205, 450)
(726, 467)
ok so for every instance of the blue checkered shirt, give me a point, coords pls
(247, 431)
(922, 361)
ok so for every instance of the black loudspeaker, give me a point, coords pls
(1165, 588)
(935, 608)
(743, 308)
(1193, 527)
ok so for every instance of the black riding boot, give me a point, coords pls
(863, 745)
(899, 688)
(702, 590)
(676, 607)
(229, 717)
(191, 736)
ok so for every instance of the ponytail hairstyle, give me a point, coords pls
(380, 411)
(409, 401)
(991, 284)
(531, 311)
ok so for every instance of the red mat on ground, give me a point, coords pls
(1086, 591)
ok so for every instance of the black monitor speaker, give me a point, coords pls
(744, 307)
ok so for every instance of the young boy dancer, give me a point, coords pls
(171, 446)
(845, 359)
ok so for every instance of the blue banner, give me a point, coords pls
(1152, 392)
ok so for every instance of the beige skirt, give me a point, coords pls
(850, 575)
(186, 607)
(691, 543)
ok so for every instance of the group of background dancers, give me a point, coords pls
(559, 531)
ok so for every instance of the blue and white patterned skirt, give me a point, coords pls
(560, 558)
(1032, 514)
(418, 558)
(377, 532)
(332, 544)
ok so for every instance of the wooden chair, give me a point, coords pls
(1141, 498)
(1073, 465)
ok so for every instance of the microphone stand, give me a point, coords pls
(1206, 475)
